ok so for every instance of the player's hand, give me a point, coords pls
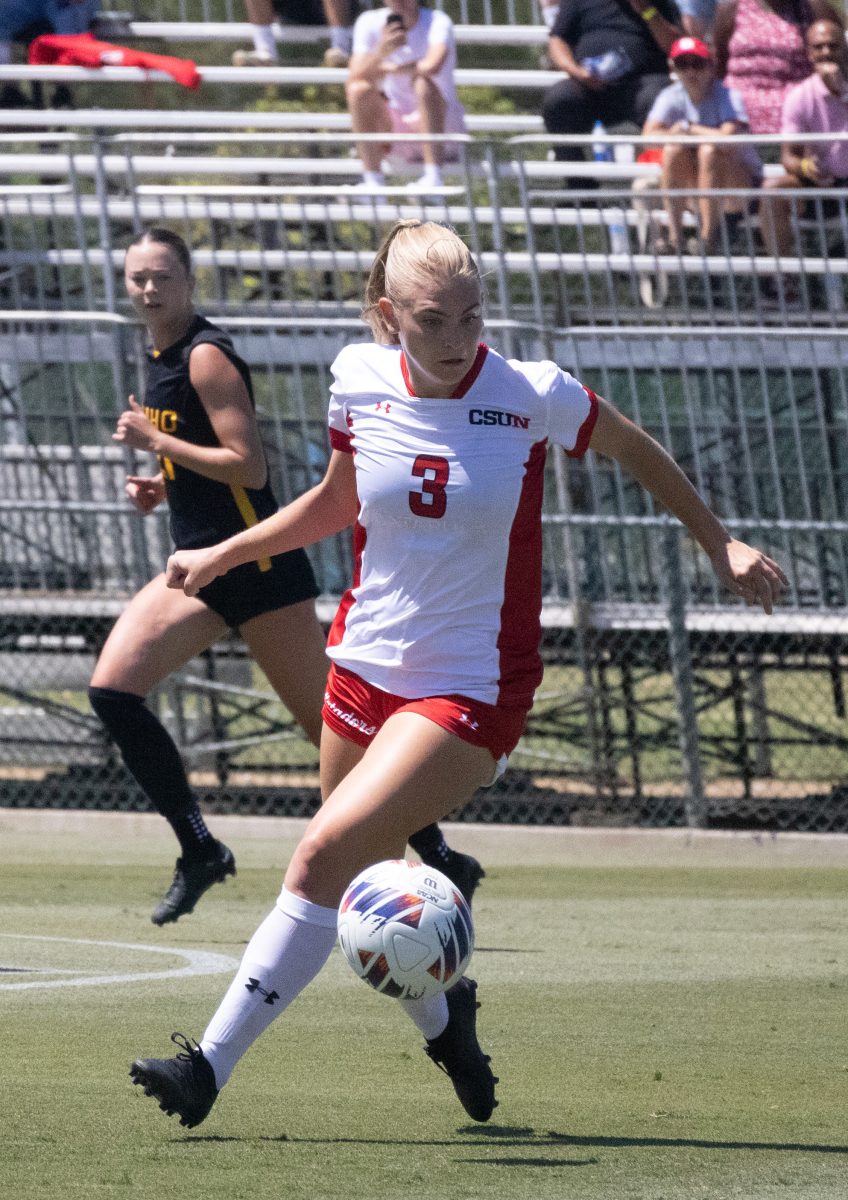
(749, 573)
(145, 491)
(191, 570)
(134, 429)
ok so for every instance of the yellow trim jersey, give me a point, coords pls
(203, 511)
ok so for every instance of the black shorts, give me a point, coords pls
(247, 591)
(828, 207)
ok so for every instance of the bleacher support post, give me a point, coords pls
(681, 670)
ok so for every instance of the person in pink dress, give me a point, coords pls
(760, 51)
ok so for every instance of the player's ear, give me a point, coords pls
(387, 311)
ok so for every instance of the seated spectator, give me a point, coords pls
(700, 104)
(759, 50)
(818, 105)
(337, 14)
(402, 80)
(613, 54)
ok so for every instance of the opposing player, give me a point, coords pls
(198, 418)
(438, 458)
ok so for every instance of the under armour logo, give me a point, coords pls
(253, 985)
(381, 407)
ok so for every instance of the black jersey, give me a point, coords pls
(203, 511)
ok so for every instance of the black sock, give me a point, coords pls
(429, 844)
(153, 760)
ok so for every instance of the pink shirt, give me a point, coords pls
(810, 108)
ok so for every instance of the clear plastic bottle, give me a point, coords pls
(615, 220)
(601, 151)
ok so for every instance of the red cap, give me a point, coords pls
(691, 46)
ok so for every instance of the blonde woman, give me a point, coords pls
(438, 458)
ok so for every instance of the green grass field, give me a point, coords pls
(667, 1015)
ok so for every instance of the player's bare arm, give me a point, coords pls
(329, 507)
(743, 569)
(239, 459)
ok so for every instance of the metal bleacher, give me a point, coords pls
(662, 701)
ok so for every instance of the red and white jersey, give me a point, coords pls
(447, 587)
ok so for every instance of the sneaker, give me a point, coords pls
(461, 869)
(184, 1085)
(253, 58)
(190, 881)
(334, 57)
(458, 1053)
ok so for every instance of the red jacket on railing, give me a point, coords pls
(83, 50)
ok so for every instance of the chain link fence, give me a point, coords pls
(663, 702)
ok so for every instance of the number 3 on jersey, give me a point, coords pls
(431, 500)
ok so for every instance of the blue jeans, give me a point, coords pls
(65, 16)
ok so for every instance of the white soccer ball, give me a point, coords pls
(406, 929)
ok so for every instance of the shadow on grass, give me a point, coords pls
(511, 1135)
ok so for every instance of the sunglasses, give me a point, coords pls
(690, 64)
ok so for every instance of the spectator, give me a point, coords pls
(613, 54)
(818, 105)
(700, 104)
(337, 14)
(402, 80)
(759, 49)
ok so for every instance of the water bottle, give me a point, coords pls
(619, 235)
(601, 151)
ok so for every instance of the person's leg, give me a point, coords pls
(679, 171)
(260, 13)
(159, 631)
(719, 167)
(431, 119)
(339, 17)
(369, 113)
(410, 775)
(776, 215)
(568, 107)
(290, 647)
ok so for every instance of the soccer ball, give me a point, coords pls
(406, 929)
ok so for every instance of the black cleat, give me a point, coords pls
(190, 881)
(461, 869)
(184, 1085)
(458, 1053)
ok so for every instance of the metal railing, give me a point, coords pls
(663, 701)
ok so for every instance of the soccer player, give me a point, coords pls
(198, 418)
(438, 459)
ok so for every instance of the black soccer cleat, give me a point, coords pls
(458, 1053)
(461, 869)
(191, 880)
(184, 1085)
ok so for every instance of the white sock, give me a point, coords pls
(285, 953)
(432, 175)
(375, 178)
(264, 41)
(341, 38)
(429, 1014)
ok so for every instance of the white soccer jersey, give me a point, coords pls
(448, 542)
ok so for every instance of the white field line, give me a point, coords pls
(197, 962)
